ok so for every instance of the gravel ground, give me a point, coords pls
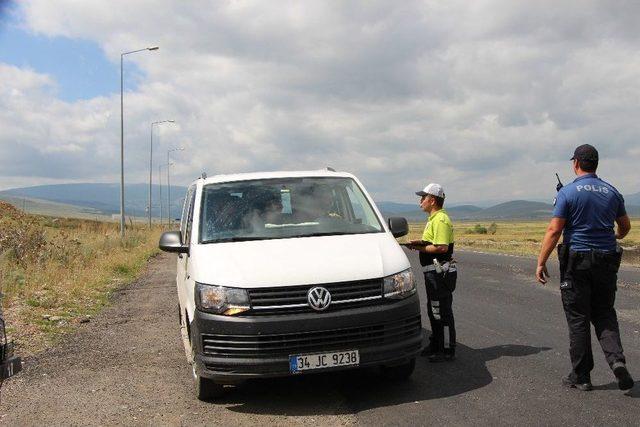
(127, 366)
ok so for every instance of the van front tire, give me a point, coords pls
(398, 372)
(206, 389)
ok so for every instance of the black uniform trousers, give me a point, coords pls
(588, 296)
(440, 311)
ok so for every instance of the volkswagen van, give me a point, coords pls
(291, 273)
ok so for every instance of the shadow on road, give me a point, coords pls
(353, 391)
(634, 392)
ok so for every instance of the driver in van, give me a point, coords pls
(326, 203)
(315, 204)
(266, 209)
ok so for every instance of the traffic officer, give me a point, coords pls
(440, 273)
(589, 259)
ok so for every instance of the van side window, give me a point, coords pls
(187, 215)
(185, 210)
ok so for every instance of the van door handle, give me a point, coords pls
(180, 256)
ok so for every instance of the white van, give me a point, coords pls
(286, 273)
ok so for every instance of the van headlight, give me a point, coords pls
(400, 285)
(221, 300)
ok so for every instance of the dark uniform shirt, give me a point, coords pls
(590, 207)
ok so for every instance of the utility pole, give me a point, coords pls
(160, 182)
(151, 163)
(122, 224)
(170, 220)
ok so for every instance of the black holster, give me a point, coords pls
(450, 278)
(441, 284)
(571, 260)
(607, 260)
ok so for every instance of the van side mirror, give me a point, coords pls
(398, 226)
(171, 241)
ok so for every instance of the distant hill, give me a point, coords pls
(413, 212)
(46, 207)
(97, 199)
(397, 207)
(517, 209)
(633, 211)
(632, 199)
(463, 211)
(104, 198)
(410, 211)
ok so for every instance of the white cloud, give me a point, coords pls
(482, 96)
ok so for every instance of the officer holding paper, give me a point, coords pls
(440, 273)
(585, 213)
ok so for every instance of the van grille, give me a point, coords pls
(278, 345)
(293, 299)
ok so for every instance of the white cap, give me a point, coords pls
(432, 189)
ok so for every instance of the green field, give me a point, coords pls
(519, 237)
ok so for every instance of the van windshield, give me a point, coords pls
(283, 208)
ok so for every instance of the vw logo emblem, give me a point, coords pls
(319, 298)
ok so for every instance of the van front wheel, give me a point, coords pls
(399, 372)
(206, 389)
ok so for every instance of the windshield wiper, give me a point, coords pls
(233, 239)
(337, 233)
(318, 234)
(326, 233)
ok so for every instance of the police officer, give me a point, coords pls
(589, 259)
(440, 274)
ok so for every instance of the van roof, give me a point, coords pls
(276, 174)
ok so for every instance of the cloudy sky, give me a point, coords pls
(488, 98)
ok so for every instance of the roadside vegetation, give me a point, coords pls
(57, 272)
(519, 237)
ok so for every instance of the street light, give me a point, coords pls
(151, 163)
(122, 134)
(169, 181)
(160, 182)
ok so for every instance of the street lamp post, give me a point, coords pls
(169, 182)
(122, 134)
(151, 164)
(160, 182)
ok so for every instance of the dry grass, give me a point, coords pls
(521, 237)
(57, 272)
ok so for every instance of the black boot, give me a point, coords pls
(582, 384)
(625, 382)
(437, 357)
(428, 350)
(450, 355)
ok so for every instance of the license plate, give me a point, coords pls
(306, 362)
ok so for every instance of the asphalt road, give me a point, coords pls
(128, 366)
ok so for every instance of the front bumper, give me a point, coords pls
(229, 348)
